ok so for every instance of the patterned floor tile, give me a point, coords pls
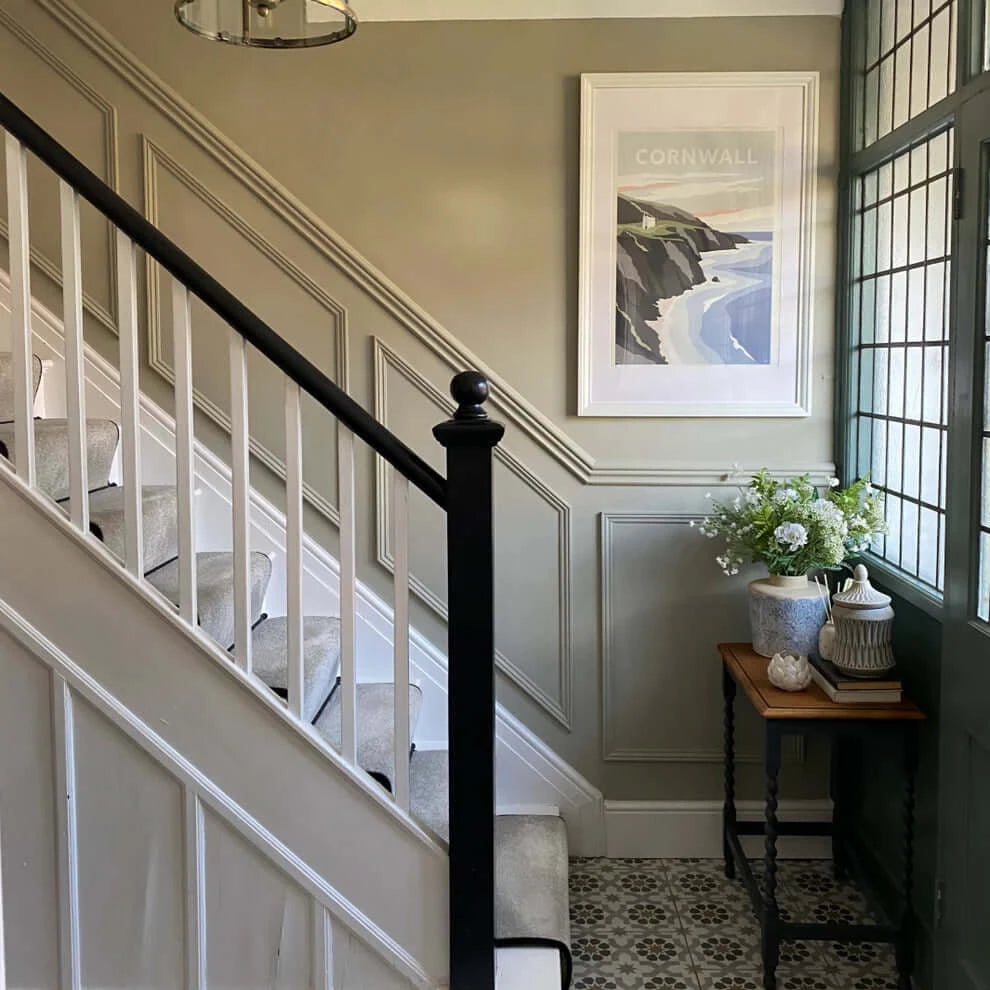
(620, 914)
(681, 925)
(860, 966)
(636, 959)
(724, 949)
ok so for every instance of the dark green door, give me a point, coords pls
(964, 836)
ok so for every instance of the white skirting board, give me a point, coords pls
(689, 829)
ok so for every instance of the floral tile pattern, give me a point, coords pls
(650, 924)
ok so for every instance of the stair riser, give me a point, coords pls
(7, 385)
(51, 454)
(160, 527)
(215, 591)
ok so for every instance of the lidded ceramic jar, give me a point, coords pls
(864, 627)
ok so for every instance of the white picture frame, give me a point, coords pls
(696, 280)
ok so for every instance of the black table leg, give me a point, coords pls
(771, 913)
(905, 940)
(729, 807)
(840, 860)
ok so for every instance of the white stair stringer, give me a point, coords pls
(286, 793)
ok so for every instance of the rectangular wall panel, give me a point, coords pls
(258, 924)
(27, 817)
(129, 826)
(665, 607)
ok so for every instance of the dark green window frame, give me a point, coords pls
(863, 52)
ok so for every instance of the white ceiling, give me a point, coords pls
(484, 10)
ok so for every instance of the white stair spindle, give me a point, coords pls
(20, 307)
(185, 474)
(240, 468)
(294, 547)
(75, 372)
(130, 409)
(400, 556)
(348, 579)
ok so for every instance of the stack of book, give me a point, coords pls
(846, 690)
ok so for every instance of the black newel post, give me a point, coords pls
(469, 439)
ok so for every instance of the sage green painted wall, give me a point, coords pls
(447, 154)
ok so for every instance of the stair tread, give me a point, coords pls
(7, 382)
(321, 657)
(51, 453)
(376, 724)
(530, 856)
(159, 525)
(215, 589)
(531, 899)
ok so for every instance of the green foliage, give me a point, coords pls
(791, 528)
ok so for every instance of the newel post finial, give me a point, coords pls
(470, 392)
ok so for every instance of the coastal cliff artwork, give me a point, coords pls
(697, 224)
(695, 221)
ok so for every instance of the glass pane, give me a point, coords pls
(912, 461)
(913, 384)
(928, 547)
(931, 404)
(905, 57)
(931, 449)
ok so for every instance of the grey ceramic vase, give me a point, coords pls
(786, 614)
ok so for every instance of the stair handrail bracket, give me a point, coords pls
(470, 438)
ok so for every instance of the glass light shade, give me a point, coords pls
(269, 23)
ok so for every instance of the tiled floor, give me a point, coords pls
(650, 924)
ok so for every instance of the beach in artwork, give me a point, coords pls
(695, 225)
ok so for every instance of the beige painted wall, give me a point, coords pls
(447, 155)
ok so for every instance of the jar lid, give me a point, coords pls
(860, 593)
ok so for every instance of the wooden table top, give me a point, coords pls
(750, 671)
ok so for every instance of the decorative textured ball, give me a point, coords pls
(788, 672)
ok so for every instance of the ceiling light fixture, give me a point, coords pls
(269, 23)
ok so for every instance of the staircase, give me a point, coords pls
(508, 874)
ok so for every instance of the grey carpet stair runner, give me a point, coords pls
(160, 530)
(321, 658)
(376, 722)
(7, 384)
(215, 590)
(51, 453)
(531, 899)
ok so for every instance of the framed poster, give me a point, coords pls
(697, 241)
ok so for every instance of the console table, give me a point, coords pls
(805, 713)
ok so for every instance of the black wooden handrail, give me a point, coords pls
(227, 306)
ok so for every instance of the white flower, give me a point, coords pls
(692, 524)
(752, 496)
(708, 494)
(833, 482)
(784, 496)
(792, 534)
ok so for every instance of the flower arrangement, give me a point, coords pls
(792, 528)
